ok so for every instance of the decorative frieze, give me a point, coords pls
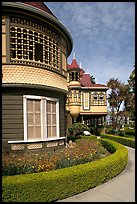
(31, 47)
(18, 74)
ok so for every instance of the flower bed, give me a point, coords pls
(79, 152)
(61, 183)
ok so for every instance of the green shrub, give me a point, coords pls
(123, 140)
(59, 184)
(111, 131)
(121, 133)
(70, 131)
(73, 138)
(78, 128)
(129, 132)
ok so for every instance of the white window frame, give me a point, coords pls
(43, 116)
(86, 100)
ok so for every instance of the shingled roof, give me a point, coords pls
(40, 5)
(74, 65)
(85, 80)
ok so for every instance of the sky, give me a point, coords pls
(103, 36)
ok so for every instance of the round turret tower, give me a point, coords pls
(74, 85)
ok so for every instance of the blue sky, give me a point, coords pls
(103, 36)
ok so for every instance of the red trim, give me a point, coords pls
(75, 85)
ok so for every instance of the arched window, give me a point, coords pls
(75, 94)
(76, 74)
(72, 76)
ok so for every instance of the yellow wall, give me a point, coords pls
(74, 83)
(98, 108)
(94, 109)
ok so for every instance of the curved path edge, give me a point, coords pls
(119, 189)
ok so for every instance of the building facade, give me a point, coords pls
(35, 47)
(86, 100)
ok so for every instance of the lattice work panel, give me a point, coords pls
(52, 144)
(17, 147)
(61, 142)
(34, 146)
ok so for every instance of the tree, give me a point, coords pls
(131, 80)
(118, 99)
(131, 102)
(92, 79)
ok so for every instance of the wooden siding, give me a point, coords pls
(12, 112)
(12, 118)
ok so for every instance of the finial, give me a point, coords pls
(74, 55)
(80, 65)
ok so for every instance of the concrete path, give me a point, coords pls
(119, 189)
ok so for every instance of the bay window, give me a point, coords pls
(41, 118)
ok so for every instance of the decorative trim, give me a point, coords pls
(93, 113)
(7, 39)
(4, 85)
(95, 87)
(35, 141)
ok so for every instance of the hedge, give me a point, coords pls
(129, 131)
(61, 183)
(121, 139)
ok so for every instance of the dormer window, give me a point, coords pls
(95, 97)
(101, 97)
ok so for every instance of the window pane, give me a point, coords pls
(49, 131)
(54, 131)
(30, 118)
(37, 105)
(34, 119)
(30, 133)
(54, 119)
(48, 106)
(37, 132)
(49, 119)
(54, 107)
(37, 119)
(30, 105)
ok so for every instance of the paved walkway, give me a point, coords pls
(119, 189)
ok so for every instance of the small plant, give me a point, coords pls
(74, 153)
(78, 128)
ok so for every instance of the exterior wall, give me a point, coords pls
(69, 120)
(35, 47)
(12, 118)
(98, 109)
(32, 75)
(12, 113)
(95, 109)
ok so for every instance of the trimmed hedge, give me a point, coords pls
(59, 184)
(121, 139)
(129, 131)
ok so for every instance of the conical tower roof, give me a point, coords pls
(40, 5)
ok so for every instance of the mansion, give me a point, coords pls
(86, 100)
